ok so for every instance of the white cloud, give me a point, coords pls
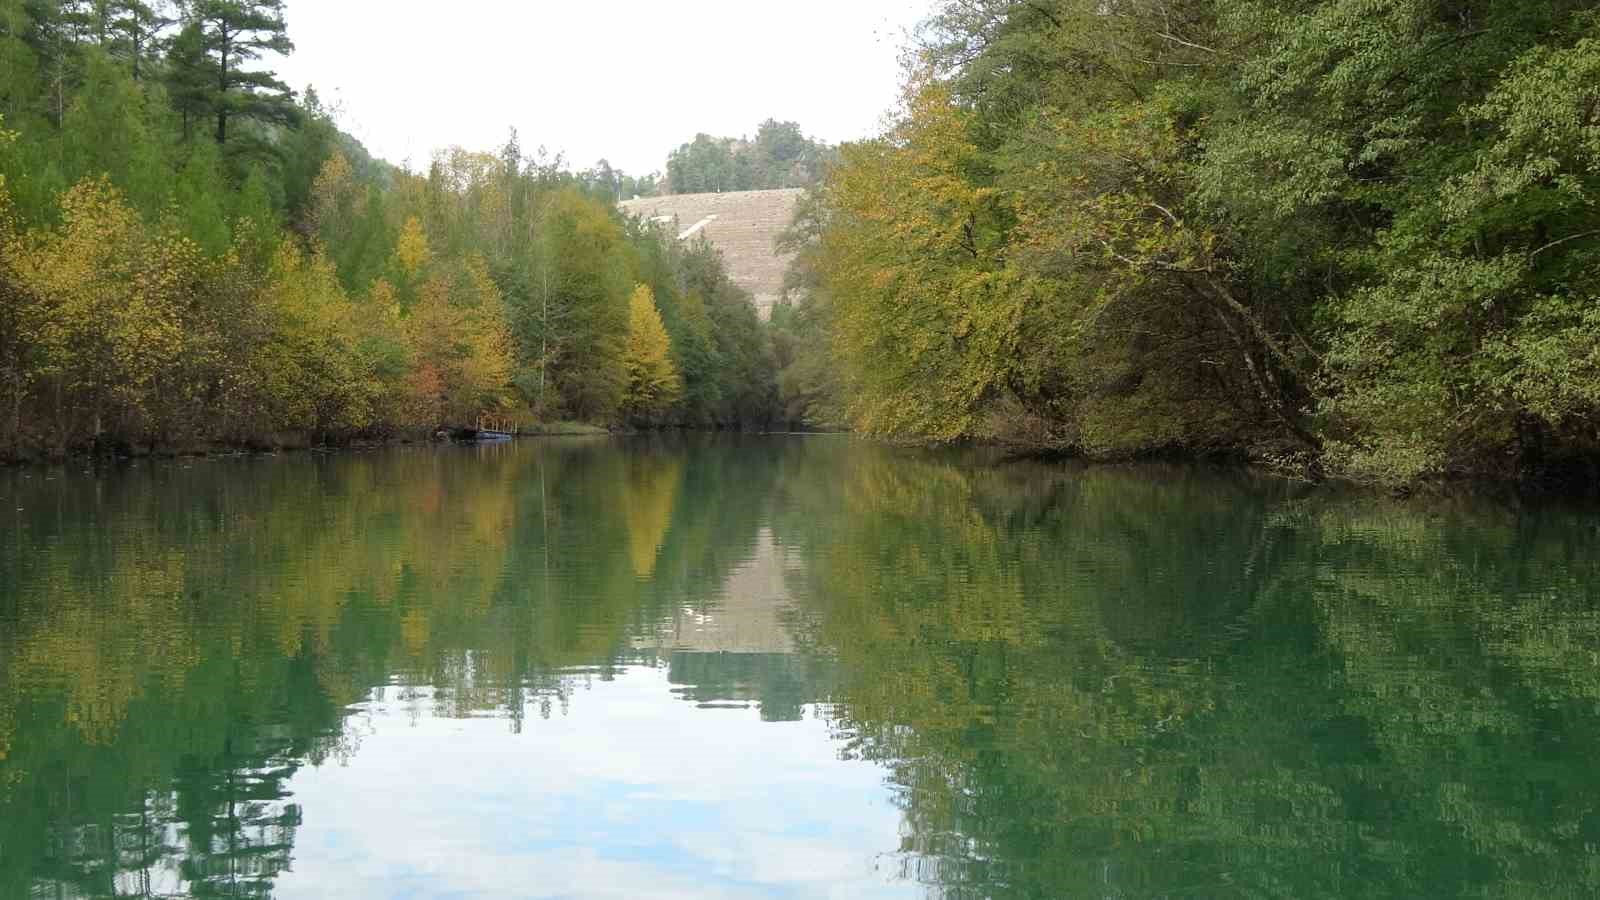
(635, 793)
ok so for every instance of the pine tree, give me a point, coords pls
(228, 34)
(128, 30)
(188, 84)
(20, 89)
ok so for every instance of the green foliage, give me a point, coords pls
(221, 38)
(580, 321)
(200, 198)
(111, 130)
(744, 378)
(20, 87)
(612, 185)
(166, 289)
(1356, 233)
(780, 156)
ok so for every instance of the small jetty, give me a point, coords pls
(487, 428)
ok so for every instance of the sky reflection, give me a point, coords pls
(629, 792)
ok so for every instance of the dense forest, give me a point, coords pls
(1337, 236)
(1348, 236)
(191, 255)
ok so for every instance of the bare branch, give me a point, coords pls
(1164, 211)
(1178, 40)
(1566, 240)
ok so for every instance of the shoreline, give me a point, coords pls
(1564, 478)
(271, 444)
(279, 443)
(1575, 479)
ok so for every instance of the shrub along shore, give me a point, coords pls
(1343, 237)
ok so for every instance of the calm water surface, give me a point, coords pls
(786, 667)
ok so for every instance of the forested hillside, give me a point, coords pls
(1343, 236)
(190, 254)
(1359, 236)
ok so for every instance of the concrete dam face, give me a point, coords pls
(742, 224)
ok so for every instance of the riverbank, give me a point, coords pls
(1557, 475)
(1578, 478)
(265, 443)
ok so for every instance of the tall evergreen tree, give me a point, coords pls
(229, 34)
(19, 64)
(132, 30)
(188, 84)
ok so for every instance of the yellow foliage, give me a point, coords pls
(312, 370)
(411, 250)
(463, 346)
(332, 186)
(652, 493)
(110, 300)
(653, 380)
(414, 631)
(6, 137)
(482, 292)
(490, 354)
(927, 315)
(79, 650)
(378, 328)
(382, 299)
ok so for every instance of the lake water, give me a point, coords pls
(786, 667)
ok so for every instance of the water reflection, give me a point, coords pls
(785, 667)
(622, 795)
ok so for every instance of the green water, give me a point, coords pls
(789, 667)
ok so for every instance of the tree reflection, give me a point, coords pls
(178, 641)
(1174, 683)
(1153, 681)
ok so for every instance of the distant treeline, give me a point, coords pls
(190, 254)
(779, 156)
(1347, 235)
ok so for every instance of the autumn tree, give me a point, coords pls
(18, 319)
(1338, 240)
(458, 331)
(653, 381)
(163, 291)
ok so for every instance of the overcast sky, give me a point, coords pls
(627, 81)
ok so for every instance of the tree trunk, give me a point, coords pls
(16, 418)
(222, 91)
(544, 337)
(61, 421)
(1271, 396)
